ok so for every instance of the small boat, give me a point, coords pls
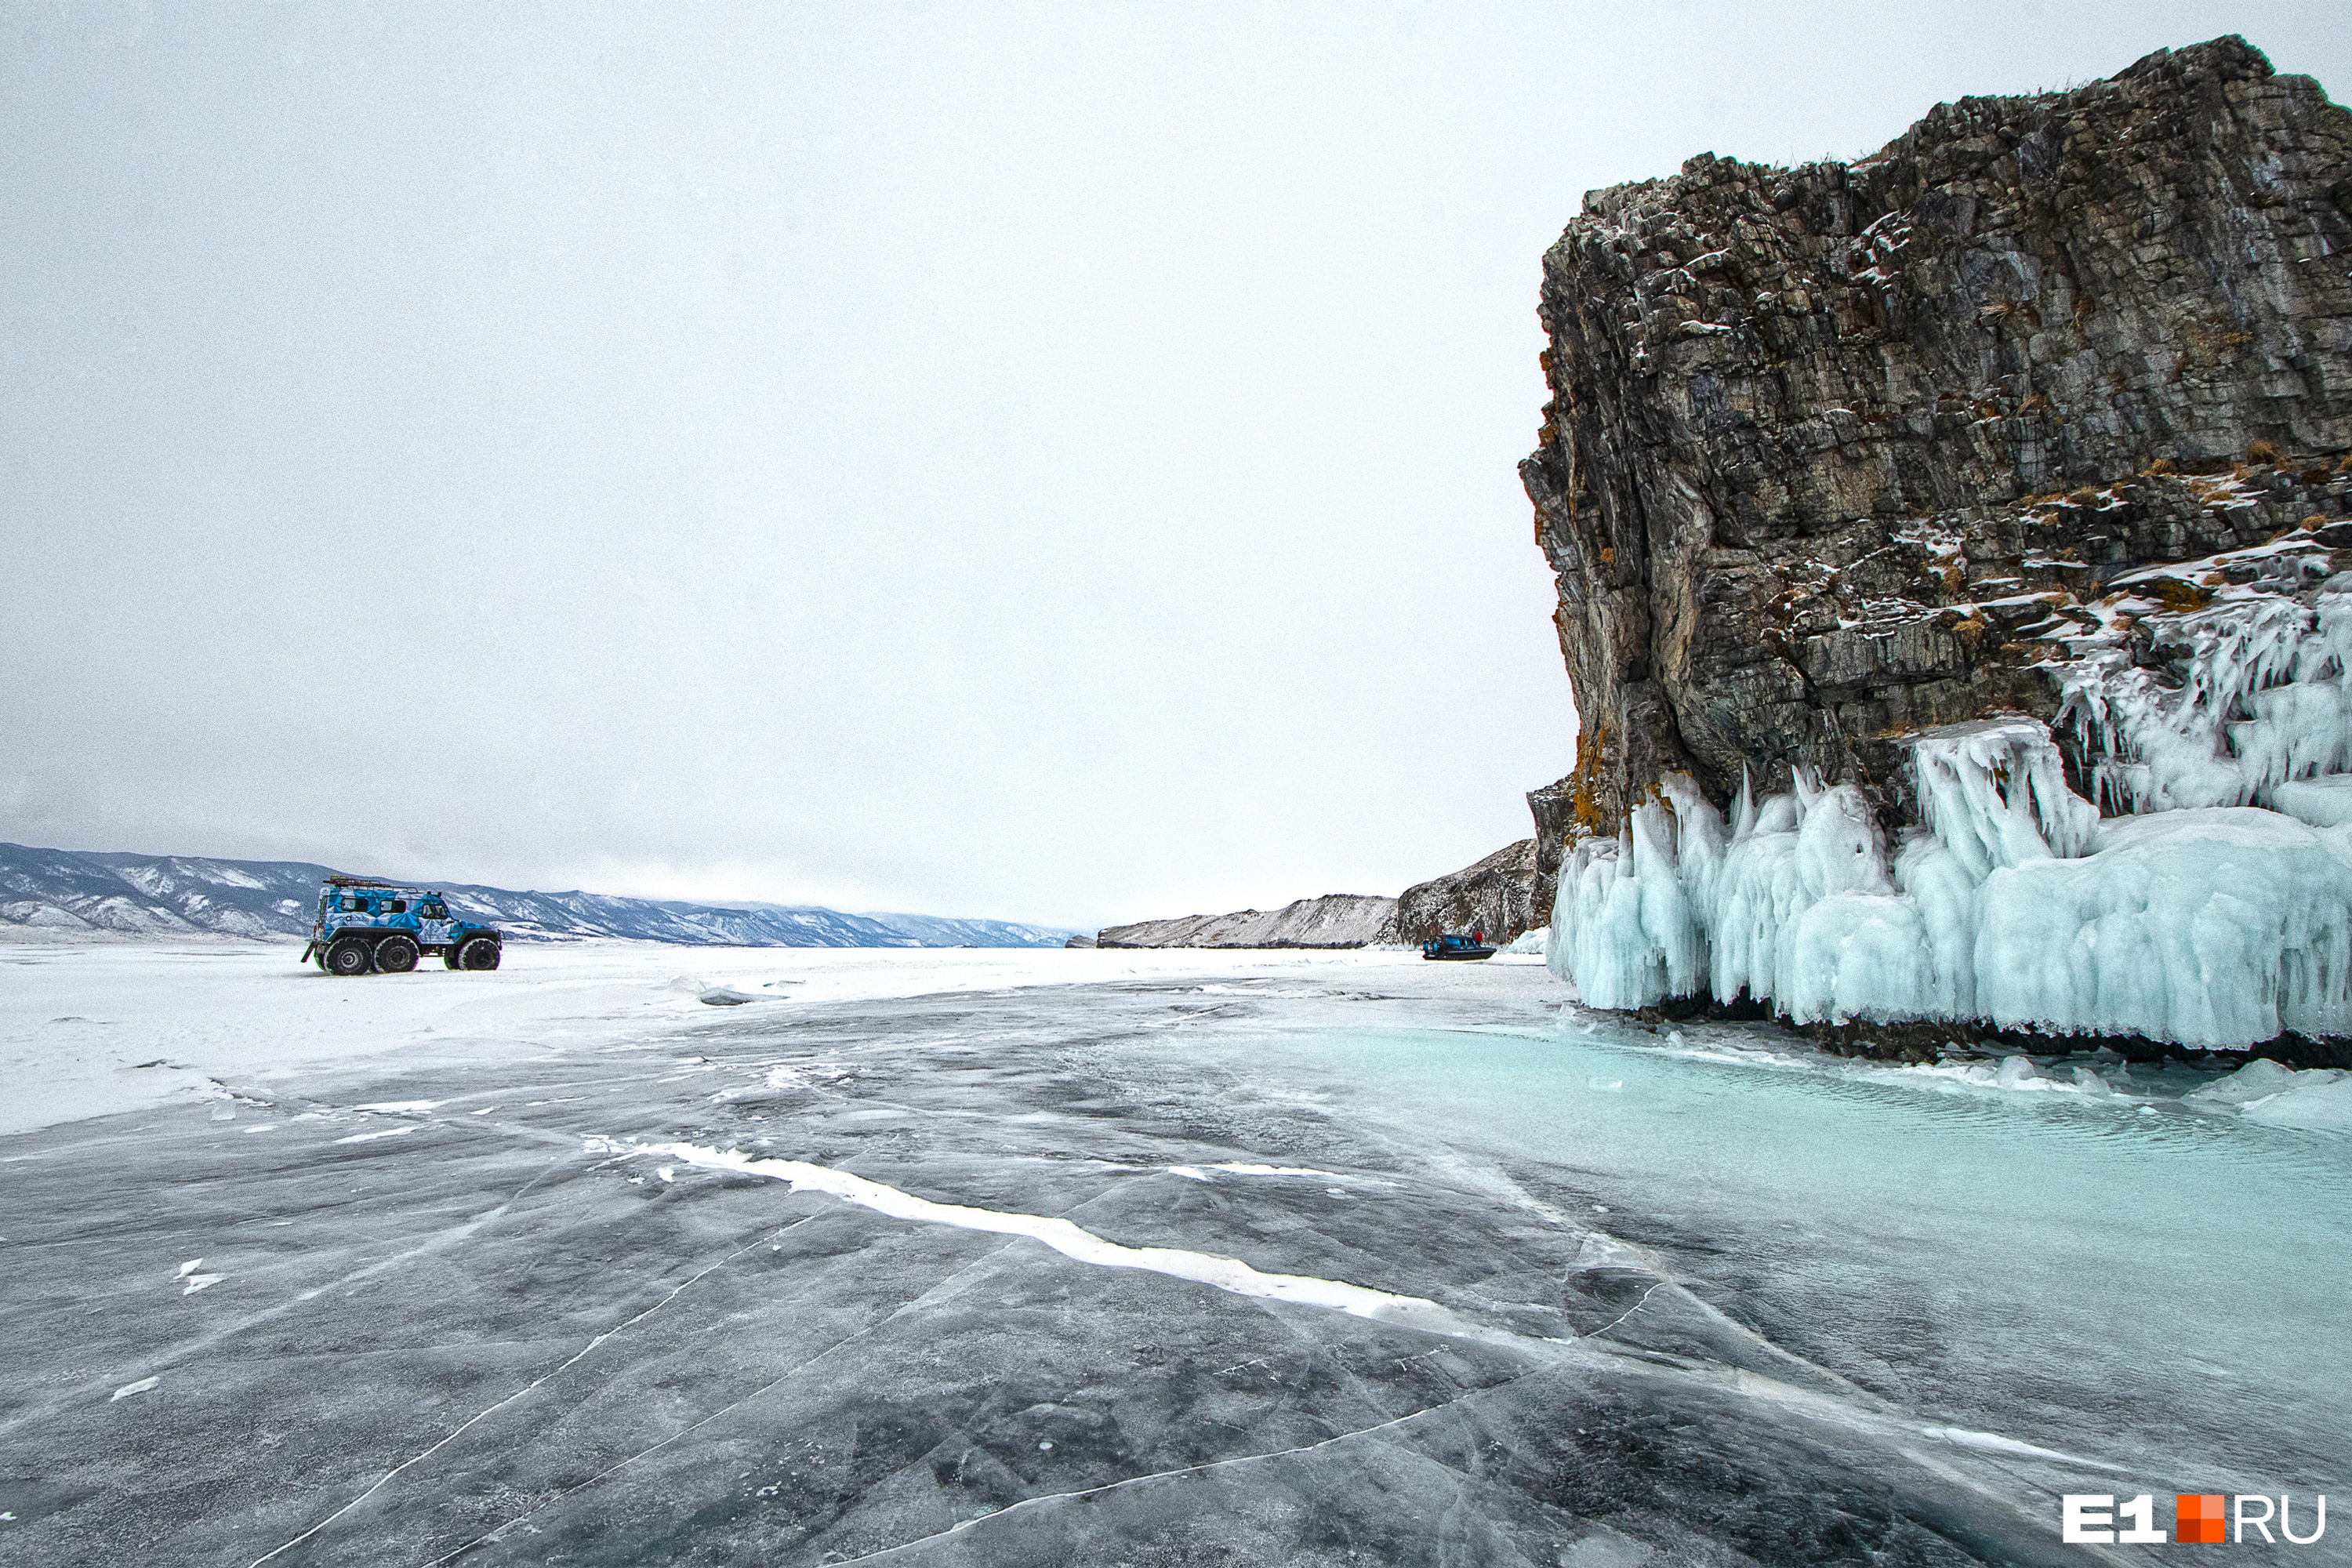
(1455, 945)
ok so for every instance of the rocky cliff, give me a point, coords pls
(1496, 896)
(1955, 576)
(1835, 452)
(1554, 808)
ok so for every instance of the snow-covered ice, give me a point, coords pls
(94, 1028)
(379, 1133)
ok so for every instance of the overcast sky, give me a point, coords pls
(1050, 461)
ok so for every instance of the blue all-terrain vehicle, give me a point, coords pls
(1459, 947)
(380, 928)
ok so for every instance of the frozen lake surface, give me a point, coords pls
(1108, 1258)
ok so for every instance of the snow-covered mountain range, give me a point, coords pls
(72, 892)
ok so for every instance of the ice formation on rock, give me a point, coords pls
(2201, 915)
(2254, 699)
(1844, 462)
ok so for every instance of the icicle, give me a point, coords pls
(1995, 793)
(2208, 927)
(1699, 840)
(1669, 925)
(2261, 700)
(1808, 784)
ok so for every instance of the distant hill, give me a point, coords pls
(1495, 896)
(1335, 919)
(67, 892)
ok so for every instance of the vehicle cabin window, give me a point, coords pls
(433, 911)
(400, 905)
(354, 905)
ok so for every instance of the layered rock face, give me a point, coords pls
(1497, 896)
(1335, 919)
(1954, 571)
(1554, 808)
(1829, 446)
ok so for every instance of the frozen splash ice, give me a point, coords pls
(2212, 702)
(2255, 691)
(2211, 928)
(2264, 1091)
(1995, 793)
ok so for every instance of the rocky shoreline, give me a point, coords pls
(1931, 1040)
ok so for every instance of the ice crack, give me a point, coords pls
(485, 1415)
(1046, 1499)
(1072, 1241)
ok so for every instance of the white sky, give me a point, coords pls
(1049, 461)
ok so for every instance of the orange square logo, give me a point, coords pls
(2197, 1516)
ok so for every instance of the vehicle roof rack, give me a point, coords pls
(341, 881)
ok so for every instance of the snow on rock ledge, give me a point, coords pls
(2213, 927)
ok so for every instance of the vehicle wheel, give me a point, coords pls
(349, 955)
(395, 955)
(448, 958)
(478, 953)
